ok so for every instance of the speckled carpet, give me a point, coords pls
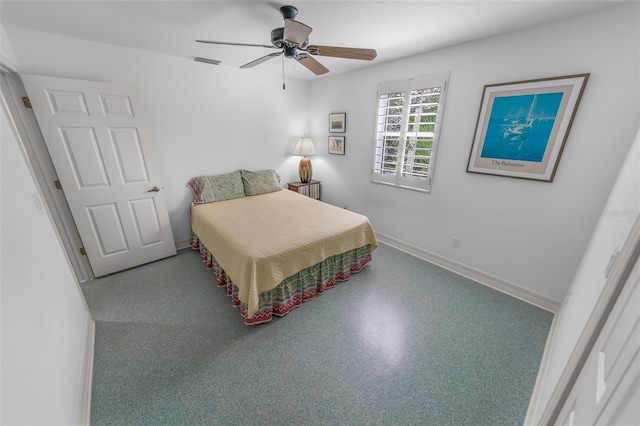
(402, 342)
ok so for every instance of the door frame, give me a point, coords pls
(36, 154)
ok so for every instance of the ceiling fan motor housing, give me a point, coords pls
(277, 37)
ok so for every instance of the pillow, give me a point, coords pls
(209, 189)
(260, 182)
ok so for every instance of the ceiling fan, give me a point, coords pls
(292, 41)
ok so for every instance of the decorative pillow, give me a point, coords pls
(209, 189)
(260, 182)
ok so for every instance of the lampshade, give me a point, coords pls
(304, 147)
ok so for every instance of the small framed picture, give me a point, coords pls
(523, 126)
(338, 122)
(336, 145)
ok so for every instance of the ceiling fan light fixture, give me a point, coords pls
(290, 52)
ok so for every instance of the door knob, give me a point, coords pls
(154, 189)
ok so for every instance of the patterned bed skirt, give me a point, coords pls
(291, 292)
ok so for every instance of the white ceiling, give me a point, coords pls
(394, 28)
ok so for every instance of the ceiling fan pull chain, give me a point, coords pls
(283, 86)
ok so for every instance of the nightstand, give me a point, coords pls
(310, 189)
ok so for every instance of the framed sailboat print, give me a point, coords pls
(522, 126)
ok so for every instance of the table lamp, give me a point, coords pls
(305, 148)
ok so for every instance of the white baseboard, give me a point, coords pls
(182, 244)
(483, 278)
(83, 406)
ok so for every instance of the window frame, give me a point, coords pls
(413, 180)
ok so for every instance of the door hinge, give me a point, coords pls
(26, 102)
(57, 184)
(83, 251)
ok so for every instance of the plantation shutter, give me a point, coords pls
(408, 117)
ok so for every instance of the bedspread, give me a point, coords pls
(261, 240)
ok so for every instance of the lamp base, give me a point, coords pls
(304, 170)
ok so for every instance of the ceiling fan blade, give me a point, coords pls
(311, 64)
(228, 43)
(261, 60)
(296, 32)
(343, 52)
(207, 60)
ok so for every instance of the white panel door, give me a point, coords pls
(607, 391)
(98, 140)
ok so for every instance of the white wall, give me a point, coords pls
(42, 313)
(204, 119)
(528, 233)
(615, 223)
(6, 51)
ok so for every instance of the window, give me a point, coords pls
(408, 120)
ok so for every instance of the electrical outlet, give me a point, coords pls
(456, 242)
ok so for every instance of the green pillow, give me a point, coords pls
(209, 189)
(259, 182)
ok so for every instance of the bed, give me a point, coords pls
(271, 248)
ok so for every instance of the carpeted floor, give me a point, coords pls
(402, 342)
